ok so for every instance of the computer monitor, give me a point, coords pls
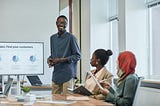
(21, 58)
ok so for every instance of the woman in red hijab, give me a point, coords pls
(126, 83)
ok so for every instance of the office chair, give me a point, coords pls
(137, 91)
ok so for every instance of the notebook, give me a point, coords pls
(82, 90)
(34, 80)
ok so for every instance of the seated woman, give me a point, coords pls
(99, 59)
(126, 83)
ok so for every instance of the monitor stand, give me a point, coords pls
(18, 85)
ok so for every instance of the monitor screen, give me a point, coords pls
(21, 58)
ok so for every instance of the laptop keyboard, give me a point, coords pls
(46, 85)
(42, 85)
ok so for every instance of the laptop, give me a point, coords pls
(7, 88)
(34, 80)
(82, 90)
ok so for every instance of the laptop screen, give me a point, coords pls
(8, 86)
(34, 80)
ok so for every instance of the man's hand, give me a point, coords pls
(56, 61)
(50, 62)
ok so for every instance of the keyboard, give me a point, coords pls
(42, 85)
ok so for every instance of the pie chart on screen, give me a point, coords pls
(15, 58)
(32, 58)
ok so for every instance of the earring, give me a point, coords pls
(96, 62)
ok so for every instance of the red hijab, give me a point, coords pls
(127, 62)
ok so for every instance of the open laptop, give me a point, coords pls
(82, 90)
(34, 80)
(7, 88)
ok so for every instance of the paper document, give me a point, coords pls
(95, 79)
(59, 102)
(77, 98)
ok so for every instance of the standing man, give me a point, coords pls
(65, 53)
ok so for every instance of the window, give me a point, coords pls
(114, 44)
(113, 25)
(154, 35)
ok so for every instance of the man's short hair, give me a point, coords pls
(62, 16)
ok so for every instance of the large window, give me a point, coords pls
(154, 25)
(114, 44)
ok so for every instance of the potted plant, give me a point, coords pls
(26, 89)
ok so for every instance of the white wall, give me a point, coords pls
(29, 20)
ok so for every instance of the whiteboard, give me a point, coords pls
(21, 58)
